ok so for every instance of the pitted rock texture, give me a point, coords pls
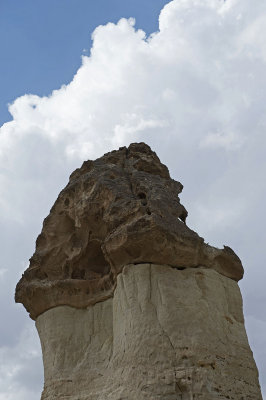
(166, 334)
(120, 209)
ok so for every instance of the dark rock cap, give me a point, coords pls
(120, 209)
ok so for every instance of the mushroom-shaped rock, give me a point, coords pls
(129, 302)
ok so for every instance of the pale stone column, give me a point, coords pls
(167, 334)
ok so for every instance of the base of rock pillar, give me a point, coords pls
(166, 334)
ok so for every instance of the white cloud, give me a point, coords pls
(2, 272)
(256, 332)
(194, 91)
(21, 368)
(229, 141)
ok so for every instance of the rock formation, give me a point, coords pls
(129, 302)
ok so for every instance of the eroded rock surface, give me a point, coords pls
(120, 209)
(129, 302)
(166, 334)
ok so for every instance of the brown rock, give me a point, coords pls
(120, 209)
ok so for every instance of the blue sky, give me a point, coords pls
(193, 90)
(41, 41)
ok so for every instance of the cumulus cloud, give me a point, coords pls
(194, 91)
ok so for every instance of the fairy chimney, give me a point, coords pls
(129, 302)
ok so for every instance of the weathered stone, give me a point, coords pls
(167, 334)
(130, 303)
(120, 209)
